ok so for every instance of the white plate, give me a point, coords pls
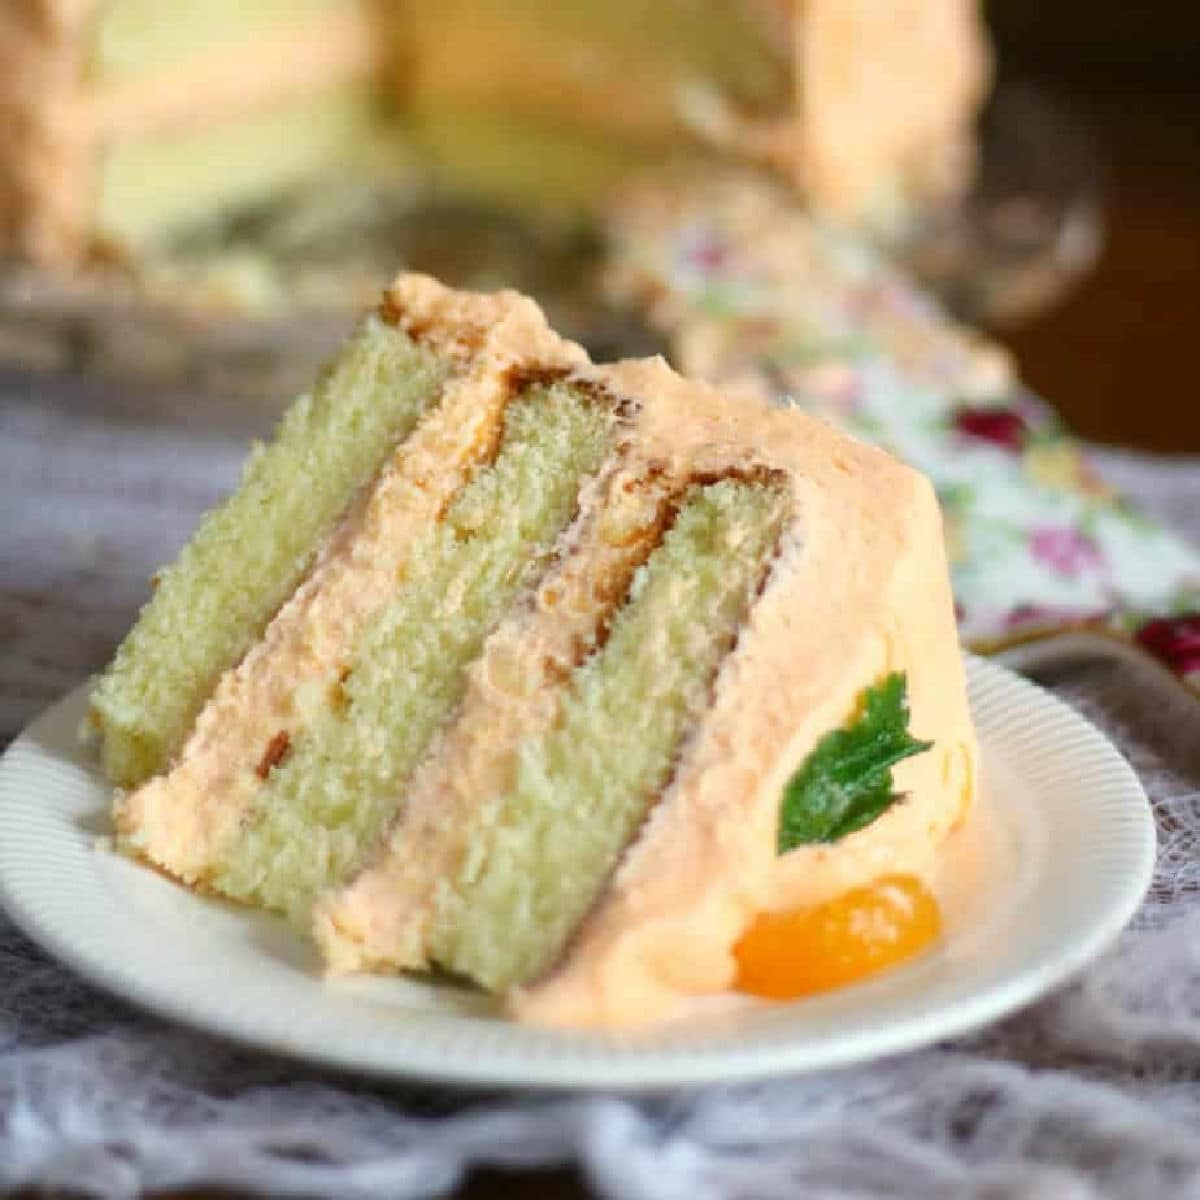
(1055, 864)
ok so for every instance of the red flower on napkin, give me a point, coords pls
(1173, 640)
(1003, 427)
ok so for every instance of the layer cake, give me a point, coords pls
(126, 126)
(504, 663)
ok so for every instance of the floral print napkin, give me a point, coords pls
(753, 293)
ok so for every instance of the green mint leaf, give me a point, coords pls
(846, 782)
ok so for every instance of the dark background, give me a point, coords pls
(1118, 355)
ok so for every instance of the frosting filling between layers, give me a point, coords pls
(181, 820)
(345, 775)
(223, 83)
(584, 786)
(129, 38)
(250, 553)
(383, 917)
(487, 349)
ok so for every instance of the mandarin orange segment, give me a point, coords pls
(864, 930)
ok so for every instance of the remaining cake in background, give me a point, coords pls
(128, 125)
(866, 108)
(551, 675)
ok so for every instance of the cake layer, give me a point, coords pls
(150, 189)
(222, 83)
(860, 590)
(183, 820)
(249, 554)
(617, 68)
(345, 775)
(383, 917)
(535, 164)
(585, 786)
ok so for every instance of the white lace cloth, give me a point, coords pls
(1095, 1092)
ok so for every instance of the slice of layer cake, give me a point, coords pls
(522, 695)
